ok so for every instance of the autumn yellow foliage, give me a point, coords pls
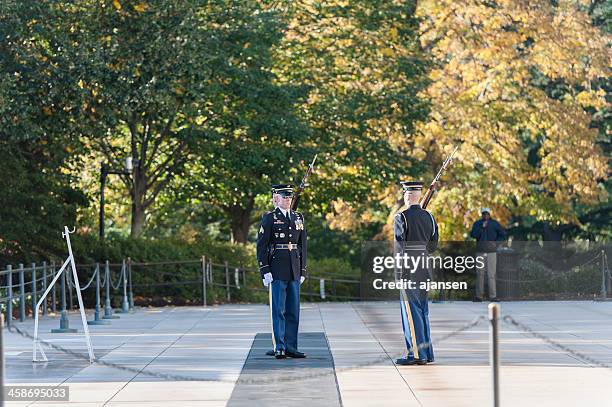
(485, 97)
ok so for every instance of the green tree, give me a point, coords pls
(144, 79)
(36, 198)
(364, 68)
(149, 74)
(361, 67)
(39, 144)
(258, 137)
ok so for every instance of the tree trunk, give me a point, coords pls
(240, 219)
(138, 207)
(153, 170)
(138, 219)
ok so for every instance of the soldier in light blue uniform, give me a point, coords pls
(416, 234)
(281, 254)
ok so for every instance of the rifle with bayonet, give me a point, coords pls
(296, 196)
(433, 185)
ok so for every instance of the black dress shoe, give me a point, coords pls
(494, 300)
(476, 299)
(280, 354)
(296, 354)
(270, 353)
(410, 362)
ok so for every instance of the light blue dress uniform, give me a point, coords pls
(416, 234)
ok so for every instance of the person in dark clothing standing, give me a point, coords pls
(416, 234)
(487, 232)
(281, 254)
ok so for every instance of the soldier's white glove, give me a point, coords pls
(302, 279)
(267, 279)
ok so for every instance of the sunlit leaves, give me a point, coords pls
(364, 68)
(490, 92)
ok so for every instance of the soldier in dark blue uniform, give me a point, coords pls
(416, 234)
(281, 254)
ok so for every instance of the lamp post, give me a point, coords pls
(105, 170)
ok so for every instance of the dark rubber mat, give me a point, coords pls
(266, 381)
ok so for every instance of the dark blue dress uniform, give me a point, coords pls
(281, 250)
(416, 234)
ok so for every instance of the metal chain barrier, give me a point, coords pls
(86, 286)
(69, 280)
(585, 358)
(165, 263)
(179, 377)
(174, 274)
(102, 278)
(116, 287)
(38, 280)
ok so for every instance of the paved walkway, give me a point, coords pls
(212, 345)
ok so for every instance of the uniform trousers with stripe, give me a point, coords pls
(415, 323)
(285, 314)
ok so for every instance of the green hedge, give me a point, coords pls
(180, 283)
(87, 249)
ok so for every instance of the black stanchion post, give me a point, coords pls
(21, 293)
(70, 299)
(322, 288)
(1, 360)
(131, 295)
(44, 287)
(9, 303)
(125, 305)
(64, 322)
(604, 285)
(97, 320)
(204, 280)
(310, 289)
(209, 281)
(494, 352)
(53, 292)
(34, 293)
(608, 272)
(108, 310)
(227, 283)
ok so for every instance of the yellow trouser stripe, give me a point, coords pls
(271, 319)
(415, 348)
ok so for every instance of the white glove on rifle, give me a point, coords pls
(302, 278)
(267, 279)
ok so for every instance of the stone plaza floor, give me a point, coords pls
(214, 356)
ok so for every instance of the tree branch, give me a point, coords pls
(110, 153)
(158, 141)
(146, 134)
(163, 183)
(170, 156)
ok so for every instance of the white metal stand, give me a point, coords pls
(70, 260)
